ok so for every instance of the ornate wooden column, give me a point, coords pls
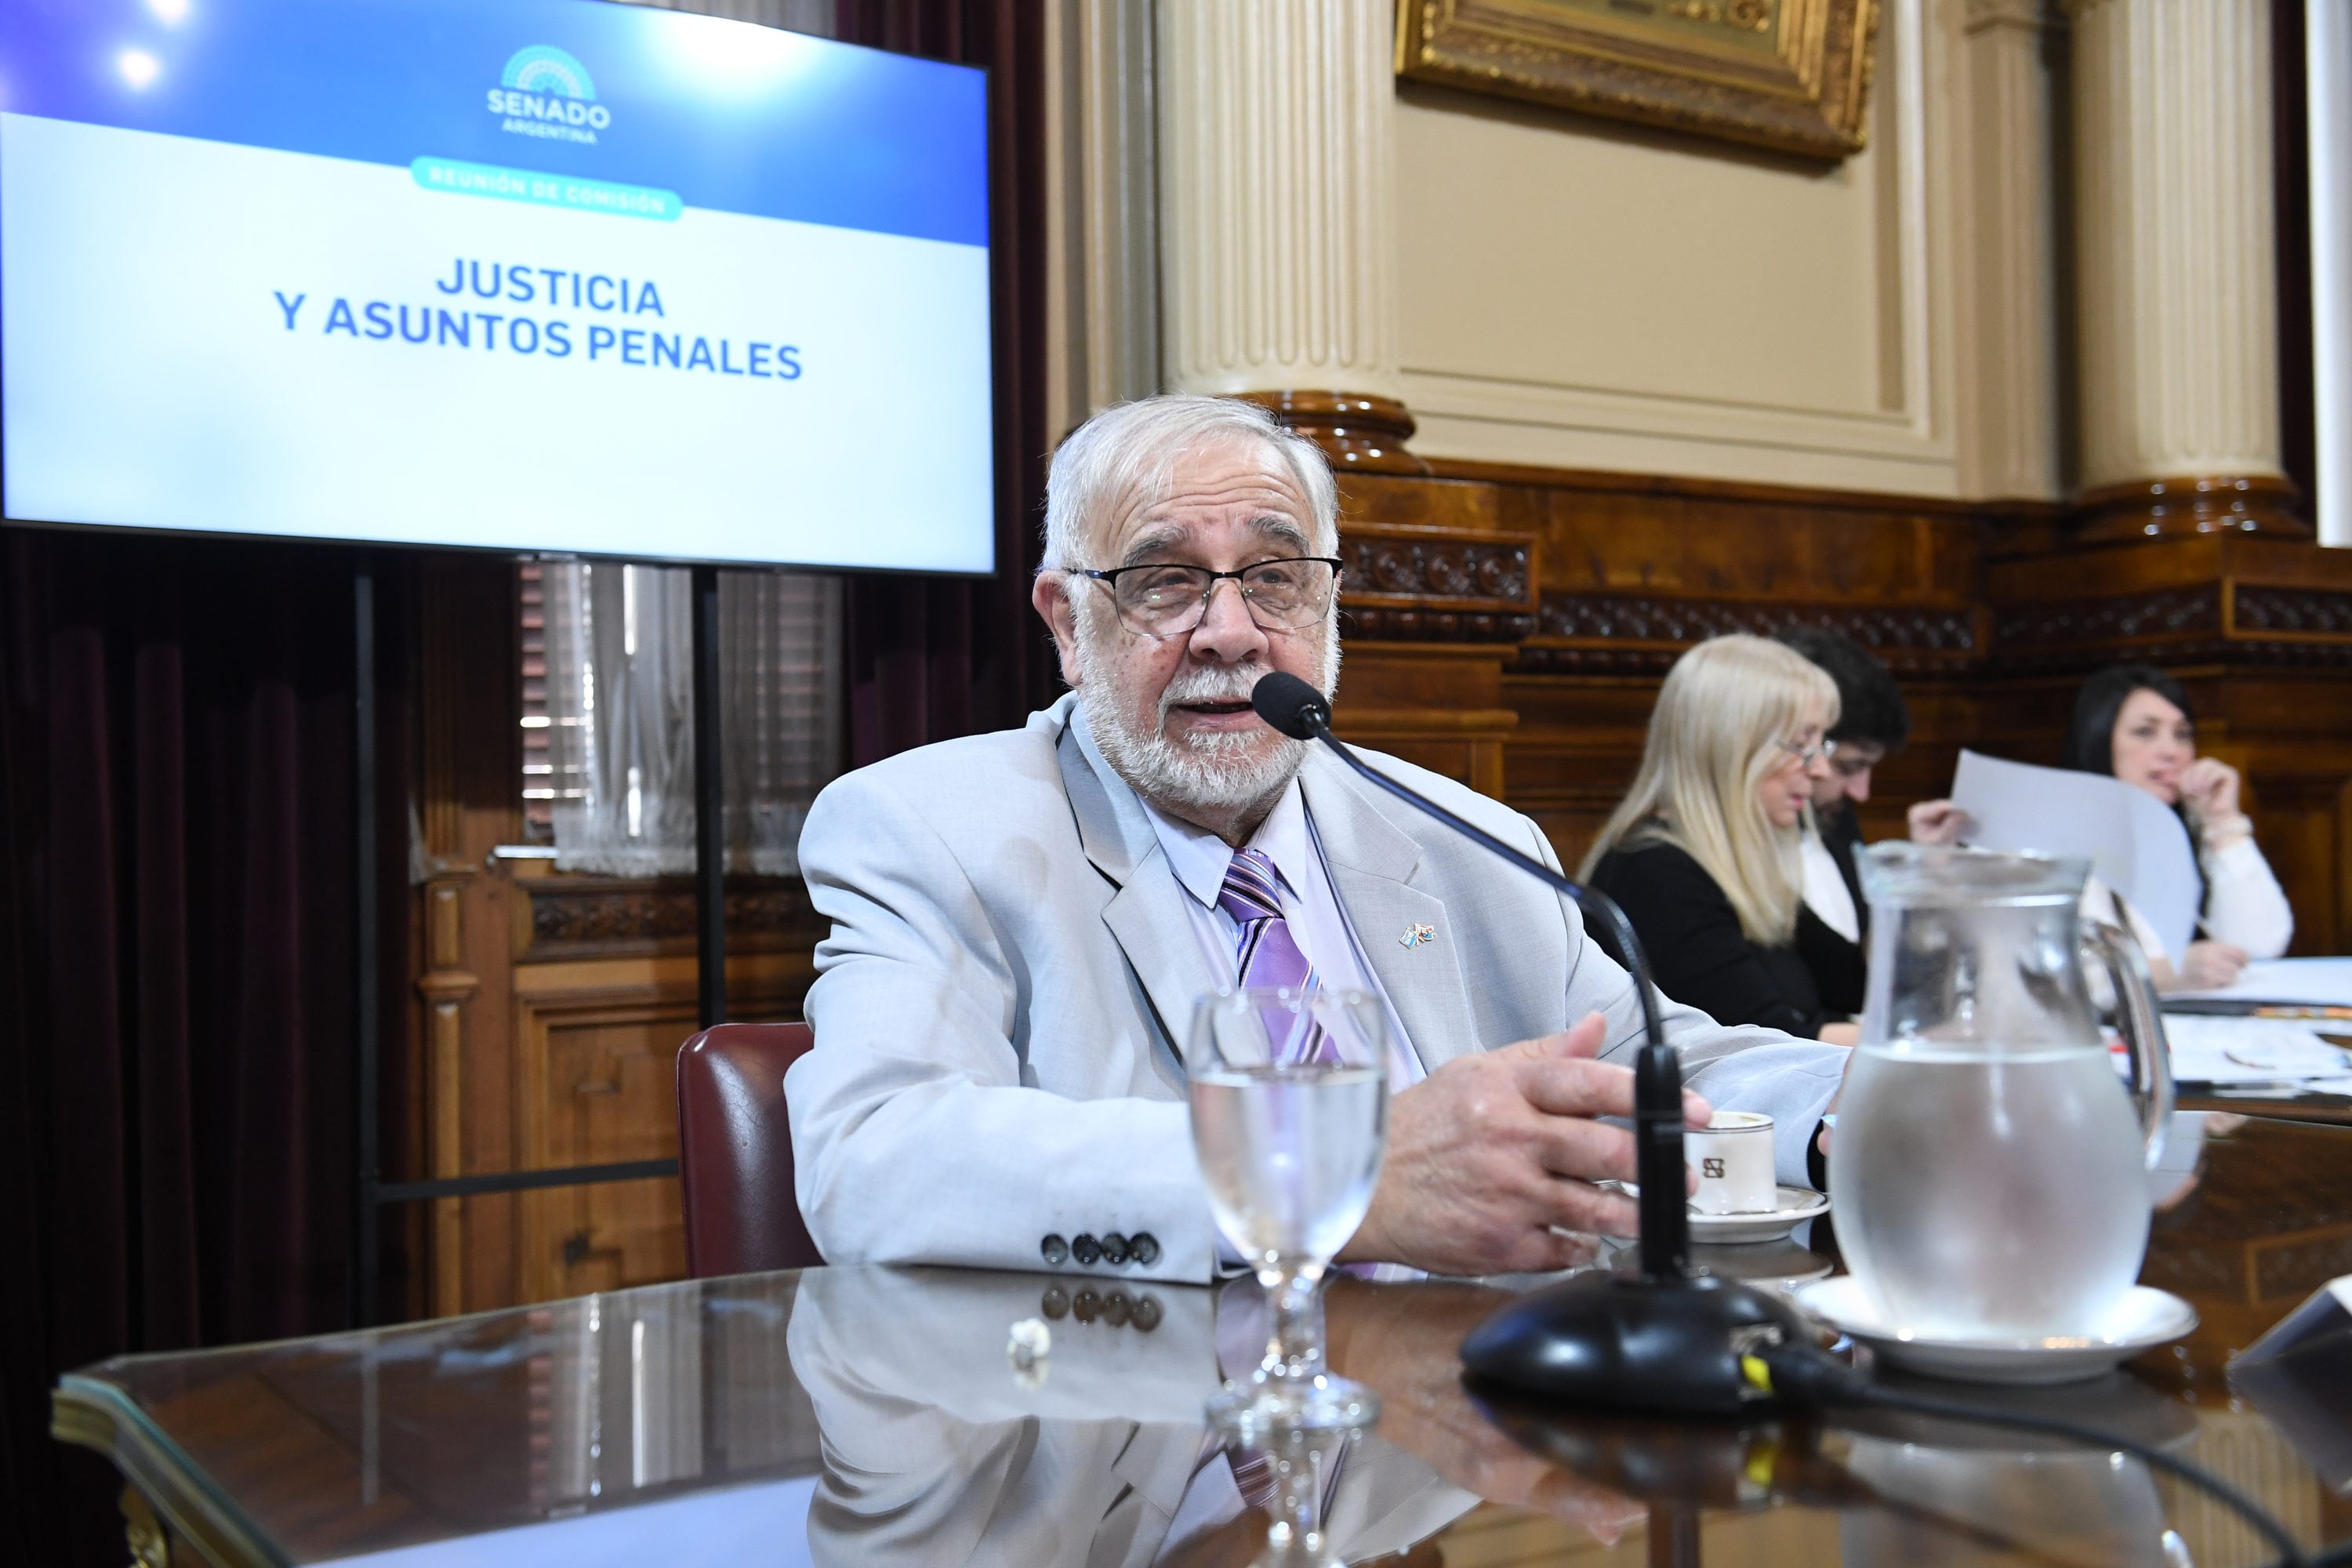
(2177, 246)
(1277, 157)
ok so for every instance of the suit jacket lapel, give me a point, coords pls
(1374, 867)
(1146, 916)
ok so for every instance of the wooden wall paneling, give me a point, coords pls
(1441, 584)
(1991, 615)
(595, 1073)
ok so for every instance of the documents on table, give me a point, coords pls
(2242, 1050)
(2319, 987)
(2132, 839)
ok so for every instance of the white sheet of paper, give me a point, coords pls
(2292, 982)
(2132, 839)
(2250, 1050)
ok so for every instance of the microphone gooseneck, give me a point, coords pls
(1660, 1342)
(1295, 708)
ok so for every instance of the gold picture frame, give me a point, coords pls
(1792, 75)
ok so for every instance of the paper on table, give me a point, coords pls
(2132, 839)
(2290, 982)
(2250, 1050)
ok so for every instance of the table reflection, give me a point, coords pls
(866, 1415)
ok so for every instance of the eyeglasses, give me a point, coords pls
(1285, 595)
(1805, 754)
(1854, 758)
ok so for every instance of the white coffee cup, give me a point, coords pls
(1733, 1157)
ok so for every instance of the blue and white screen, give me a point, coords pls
(557, 275)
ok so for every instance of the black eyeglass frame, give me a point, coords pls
(1109, 579)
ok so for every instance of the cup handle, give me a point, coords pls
(2143, 1028)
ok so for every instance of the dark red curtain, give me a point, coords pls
(931, 658)
(176, 945)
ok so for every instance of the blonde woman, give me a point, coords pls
(1703, 853)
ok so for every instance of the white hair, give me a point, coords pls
(1136, 444)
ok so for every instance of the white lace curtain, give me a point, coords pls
(620, 706)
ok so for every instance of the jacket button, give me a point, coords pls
(1144, 1247)
(1114, 1247)
(1055, 1249)
(1147, 1313)
(1086, 1250)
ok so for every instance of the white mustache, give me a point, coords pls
(1233, 684)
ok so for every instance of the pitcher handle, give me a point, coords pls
(2143, 1027)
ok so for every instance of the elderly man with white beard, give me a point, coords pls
(1022, 922)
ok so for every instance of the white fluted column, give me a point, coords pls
(1277, 161)
(2176, 290)
(2007, 292)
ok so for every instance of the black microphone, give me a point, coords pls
(1664, 1340)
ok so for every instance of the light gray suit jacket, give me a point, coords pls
(1001, 1009)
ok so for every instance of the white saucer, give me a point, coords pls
(2145, 1318)
(1795, 1206)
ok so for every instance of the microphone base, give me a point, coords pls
(1606, 1342)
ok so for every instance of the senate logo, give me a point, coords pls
(546, 92)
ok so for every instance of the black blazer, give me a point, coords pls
(1701, 958)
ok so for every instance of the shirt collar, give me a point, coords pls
(1198, 856)
(1201, 859)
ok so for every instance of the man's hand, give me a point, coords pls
(1937, 822)
(1492, 1151)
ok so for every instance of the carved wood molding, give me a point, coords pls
(2299, 611)
(2151, 508)
(2065, 626)
(1632, 632)
(585, 916)
(1359, 431)
(1407, 583)
(2266, 625)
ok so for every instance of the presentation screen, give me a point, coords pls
(542, 275)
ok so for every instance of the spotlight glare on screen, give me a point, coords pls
(171, 13)
(138, 67)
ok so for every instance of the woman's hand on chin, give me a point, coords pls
(2209, 785)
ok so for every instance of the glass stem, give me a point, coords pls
(1295, 1351)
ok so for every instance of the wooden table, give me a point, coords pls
(871, 1414)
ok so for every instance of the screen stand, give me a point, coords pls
(366, 980)
(709, 807)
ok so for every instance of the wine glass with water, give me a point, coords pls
(1289, 1116)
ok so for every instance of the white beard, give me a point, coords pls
(1214, 773)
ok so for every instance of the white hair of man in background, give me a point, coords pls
(1107, 481)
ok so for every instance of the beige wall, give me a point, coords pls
(1576, 294)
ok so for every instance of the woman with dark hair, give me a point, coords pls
(2132, 722)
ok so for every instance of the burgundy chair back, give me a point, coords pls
(735, 1149)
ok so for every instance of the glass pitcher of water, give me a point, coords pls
(1988, 1170)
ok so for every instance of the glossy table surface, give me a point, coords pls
(872, 1415)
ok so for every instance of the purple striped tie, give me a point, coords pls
(1268, 957)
